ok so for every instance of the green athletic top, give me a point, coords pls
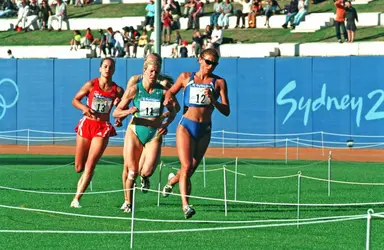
(149, 105)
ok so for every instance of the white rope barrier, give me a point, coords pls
(37, 170)
(103, 217)
(185, 230)
(344, 182)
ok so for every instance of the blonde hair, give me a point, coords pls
(151, 62)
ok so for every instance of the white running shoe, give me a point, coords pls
(145, 184)
(124, 206)
(167, 190)
(75, 204)
(170, 176)
(189, 211)
(128, 209)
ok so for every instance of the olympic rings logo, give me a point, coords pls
(3, 103)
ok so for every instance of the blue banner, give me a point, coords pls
(294, 100)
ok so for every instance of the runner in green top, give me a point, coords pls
(147, 96)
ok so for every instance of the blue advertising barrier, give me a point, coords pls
(310, 99)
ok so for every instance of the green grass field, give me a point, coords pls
(55, 175)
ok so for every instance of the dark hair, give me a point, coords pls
(9, 51)
(168, 78)
(110, 59)
(210, 51)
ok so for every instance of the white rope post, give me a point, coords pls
(133, 213)
(225, 190)
(223, 141)
(298, 196)
(322, 142)
(297, 148)
(236, 179)
(91, 186)
(368, 237)
(329, 172)
(286, 150)
(159, 186)
(204, 173)
(28, 139)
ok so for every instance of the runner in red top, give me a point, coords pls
(94, 129)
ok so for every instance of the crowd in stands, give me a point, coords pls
(118, 43)
(31, 14)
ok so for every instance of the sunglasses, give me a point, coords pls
(209, 62)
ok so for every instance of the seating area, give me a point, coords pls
(312, 22)
(227, 50)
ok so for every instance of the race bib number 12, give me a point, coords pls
(197, 96)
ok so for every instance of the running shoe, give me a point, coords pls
(75, 204)
(124, 206)
(189, 211)
(128, 209)
(167, 190)
(145, 184)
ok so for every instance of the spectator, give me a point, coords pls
(33, 16)
(217, 38)
(110, 42)
(167, 31)
(339, 20)
(217, 9)
(197, 43)
(22, 15)
(227, 9)
(79, 3)
(87, 40)
(303, 10)
(176, 45)
(195, 17)
(176, 13)
(8, 9)
(275, 6)
(246, 9)
(151, 42)
(351, 16)
(143, 39)
(9, 53)
(292, 10)
(150, 17)
(132, 40)
(207, 36)
(60, 15)
(256, 9)
(75, 41)
(119, 44)
(102, 41)
(189, 8)
(268, 13)
(45, 13)
(184, 50)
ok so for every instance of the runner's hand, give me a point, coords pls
(90, 113)
(116, 101)
(118, 122)
(163, 130)
(132, 110)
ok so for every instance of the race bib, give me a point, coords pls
(196, 96)
(149, 108)
(101, 105)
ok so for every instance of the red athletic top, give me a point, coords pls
(99, 100)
